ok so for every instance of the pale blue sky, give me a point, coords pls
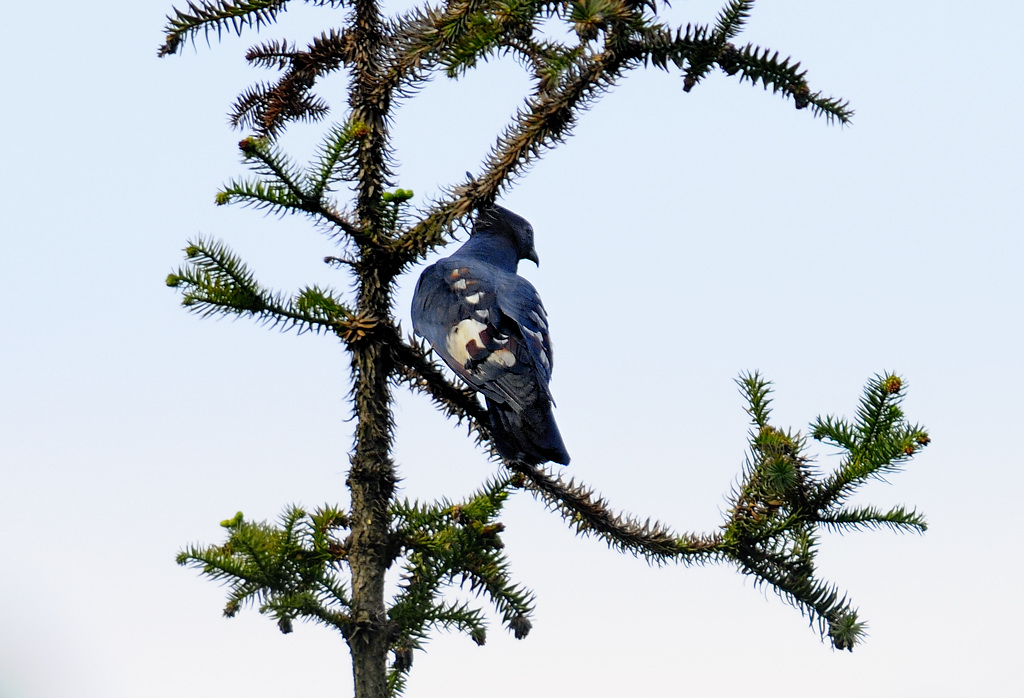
(684, 238)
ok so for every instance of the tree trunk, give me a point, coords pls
(371, 481)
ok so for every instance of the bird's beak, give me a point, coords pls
(533, 257)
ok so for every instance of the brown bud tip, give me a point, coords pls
(801, 95)
(892, 384)
(520, 626)
(403, 658)
(248, 146)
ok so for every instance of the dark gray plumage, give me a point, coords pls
(489, 326)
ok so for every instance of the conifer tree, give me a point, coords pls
(328, 565)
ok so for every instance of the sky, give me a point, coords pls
(684, 238)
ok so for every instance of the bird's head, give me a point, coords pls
(495, 220)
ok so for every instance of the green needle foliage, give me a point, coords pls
(290, 570)
(329, 566)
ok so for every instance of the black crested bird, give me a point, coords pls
(488, 324)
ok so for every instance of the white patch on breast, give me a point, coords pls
(473, 298)
(460, 336)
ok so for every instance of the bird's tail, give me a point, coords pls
(531, 435)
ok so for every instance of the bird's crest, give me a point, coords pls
(497, 220)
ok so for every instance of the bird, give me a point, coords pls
(490, 327)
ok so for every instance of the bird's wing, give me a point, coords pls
(519, 302)
(489, 326)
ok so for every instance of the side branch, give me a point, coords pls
(698, 50)
(215, 281)
(217, 15)
(283, 188)
(544, 122)
(548, 119)
(269, 108)
(590, 514)
(420, 39)
(771, 529)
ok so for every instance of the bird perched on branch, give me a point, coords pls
(489, 326)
